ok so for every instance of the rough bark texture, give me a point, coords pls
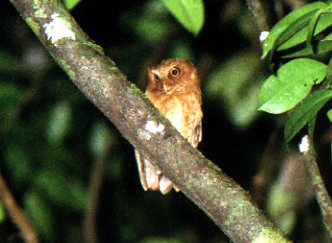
(222, 199)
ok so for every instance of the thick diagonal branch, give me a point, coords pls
(222, 199)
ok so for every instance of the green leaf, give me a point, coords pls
(9, 62)
(190, 13)
(100, 139)
(10, 96)
(305, 112)
(151, 25)
(63, 190)
(59, 123)
(291, 85)
(324, 45)
(70, 4)
(10, 92)
(40, 212)
(329, 115)
(226, 84)
(324, 21)
(311, 131)
(19, 165)
(181, 49)
(2, 213)
(313, 26)
(289, 25)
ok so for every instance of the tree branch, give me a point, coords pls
(322, 196)
(222, 199)
(18, 216)
(96, 180)
(95, 185)
(256, 8)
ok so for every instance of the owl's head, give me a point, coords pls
(175, 74)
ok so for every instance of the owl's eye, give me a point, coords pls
(174, 72)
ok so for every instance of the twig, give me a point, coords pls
(27, 229)
(95, 184)
(263, 176)
(295, 4)
(322, 196)
(89, 226)
(256, 8)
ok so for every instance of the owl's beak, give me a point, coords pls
(166, 84)
(155, 73)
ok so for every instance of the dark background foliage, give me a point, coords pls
(52, 138)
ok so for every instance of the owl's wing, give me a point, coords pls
(141, 170)
(196, 136)
(151, 177)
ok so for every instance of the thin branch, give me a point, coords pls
(263, 176)
(322, 196)
(219, 196)
(17, 215)
(256, 8)
(89, 227)
(295, 4)
(95, 184)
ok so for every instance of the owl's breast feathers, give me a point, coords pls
(184, 112)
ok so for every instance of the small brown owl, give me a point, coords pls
(174, 88)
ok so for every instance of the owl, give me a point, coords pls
(174, 88)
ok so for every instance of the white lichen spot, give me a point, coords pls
(147, 136)
(263, 35)
(153, 127)
(304, 145)
(57, 29)
(143, 134)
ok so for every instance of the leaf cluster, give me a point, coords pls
(299, 48)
